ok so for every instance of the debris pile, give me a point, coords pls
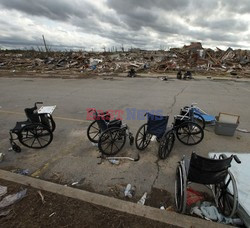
(192, 57)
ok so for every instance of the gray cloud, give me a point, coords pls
(142, 23)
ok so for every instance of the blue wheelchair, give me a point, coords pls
(186, 131)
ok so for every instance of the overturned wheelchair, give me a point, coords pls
(214, 174)
(187, 132)
(36, 131)
(109, 134)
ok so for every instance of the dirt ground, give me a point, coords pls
(60, 211)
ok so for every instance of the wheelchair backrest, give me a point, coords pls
(32, 115)
(208, 171)
(157, 125)
(102, 120)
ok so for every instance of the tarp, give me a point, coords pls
(241, 174)
(207, 118)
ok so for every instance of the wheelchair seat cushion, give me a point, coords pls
(19, 126)
(157, 125)
(115, 123)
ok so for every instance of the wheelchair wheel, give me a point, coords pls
(227, 196)
(166, 144)
(200, 120)
(35, 136)
(112, 141)
(142, 138)
(180, 189)
(52, 123)
(189, 133)
(93, 132)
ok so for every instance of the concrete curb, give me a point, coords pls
(170, 218)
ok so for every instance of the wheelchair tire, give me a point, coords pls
(112, 141)
(189, 133)
(200, 120)
(227, 200)
(35, 136)
(166, 144)
(180, 189)
(52, 123)
(93, 132)
(142, 138)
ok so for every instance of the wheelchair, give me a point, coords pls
(187, 132)
(214, 174)
(36, 131)
(191, 114)
(109, 134)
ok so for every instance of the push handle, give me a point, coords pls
(237, 159)
(146, 114)
(36, 103)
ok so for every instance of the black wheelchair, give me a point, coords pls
(109, 134)
(36, 131)
(187, 132)
(214, 174)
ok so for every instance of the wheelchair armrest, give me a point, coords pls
(236, 159)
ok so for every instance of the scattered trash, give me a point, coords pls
(21, 171)
(193, 196)
(143, 199)
(42, 197)
(11, 199)
(153, 138)
(210, 212)
(114, 161)
(243, 130)
(164, 79)
(3, 190)
(196, 211)
(129, 191)
(2, 157)
(94, 144)
(52, 214)
(124, 158)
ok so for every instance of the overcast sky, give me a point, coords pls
(147, 24)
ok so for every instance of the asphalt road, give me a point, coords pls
(71, 157)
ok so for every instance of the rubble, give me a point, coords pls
(193, 58)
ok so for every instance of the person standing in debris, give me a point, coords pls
(179, 75)
(188, 75)
(131, 73)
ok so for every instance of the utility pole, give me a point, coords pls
(45, 45)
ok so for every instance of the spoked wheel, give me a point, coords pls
(48, 120)
(166, 144)
(142, 138)
(180, 189)
(200, 120)
(93, 132)
(227, 196)
(35, 136)
(189, 133)
(112, 141)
